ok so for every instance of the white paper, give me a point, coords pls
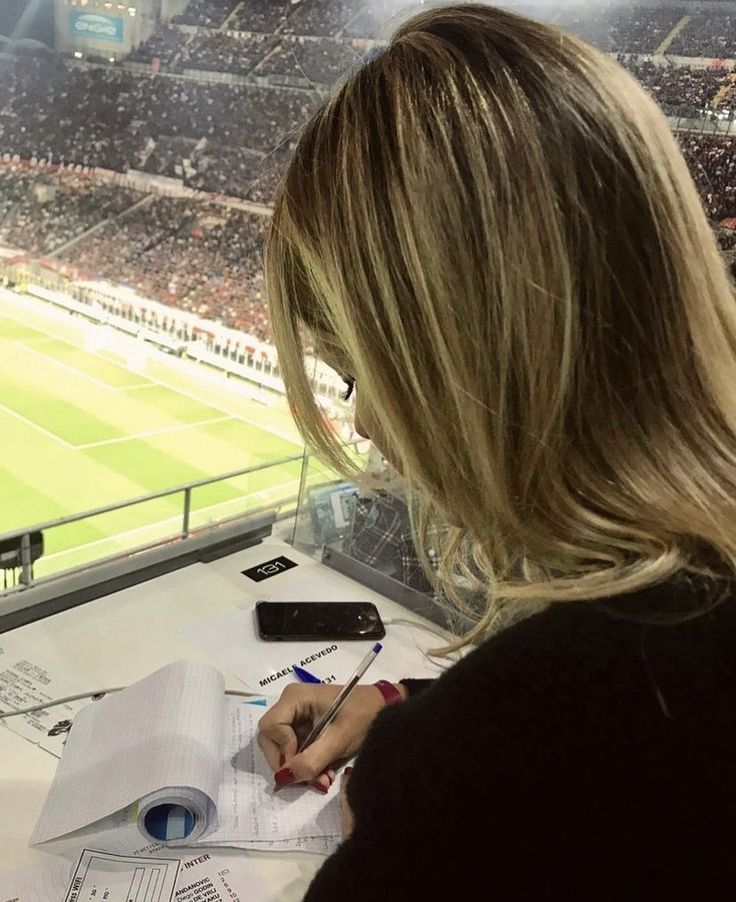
(316, 845)
(216, 876)
(249, 811)
(166, 738)
(107, 877)
(231, 640)
(25, 683)
(47, 883)
(213, 876)
(136, 742)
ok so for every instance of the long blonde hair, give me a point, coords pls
(493, 223)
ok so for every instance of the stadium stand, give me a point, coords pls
(209, 13)
(707, 34)
(258, 68)
(213, 51)
(163, 45)
(712, 163)
(321, 61)
(679, 90)
(259, 15)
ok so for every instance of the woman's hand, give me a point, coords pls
(290, 720)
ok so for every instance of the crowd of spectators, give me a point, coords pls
(237, 171)
(316, 60)
(679, 90)
(107, 117)
(42, 211)
(197, 256)
(712, 163)
(235, 139)
(217, 51)
(163, 45)
(321, 17)
(266, 16)
(627, 29)
(707, 34)
(208, 13)
(53, 111)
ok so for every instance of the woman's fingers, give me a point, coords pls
(290, 718)
(305, 767)
(278, 743)
(285, 725)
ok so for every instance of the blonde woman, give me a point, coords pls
(491, 232)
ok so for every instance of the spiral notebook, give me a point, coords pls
(181, 758)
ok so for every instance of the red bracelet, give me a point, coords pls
(390, 693)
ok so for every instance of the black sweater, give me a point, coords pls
(581, 754)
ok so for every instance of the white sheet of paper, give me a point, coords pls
(47, 883)
(25, 683)
(249, 811)
(122, 878)
(317, 845)
(215, 875)
(229, 876)
(135, 742)
(268, 666)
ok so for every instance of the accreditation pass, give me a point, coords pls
(105, 877)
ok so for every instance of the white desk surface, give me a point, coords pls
(120, 638)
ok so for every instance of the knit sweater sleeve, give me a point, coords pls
(545, 745)
(415, 686)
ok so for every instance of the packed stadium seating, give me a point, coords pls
(679, 90)
(214, 51)
(707, 34)
(216, 254)
(237, 80)
(712, 163)
(209, 13)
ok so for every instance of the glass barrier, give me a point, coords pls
(370, 527)
(30, 554)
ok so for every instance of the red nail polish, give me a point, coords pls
(348, 771)
(320, 788)
(284, 776)
(282, 760)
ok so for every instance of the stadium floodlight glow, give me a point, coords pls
(111, 59)
(78, 54)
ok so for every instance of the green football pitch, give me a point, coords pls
(80, 429)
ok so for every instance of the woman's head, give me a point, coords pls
(490, 227)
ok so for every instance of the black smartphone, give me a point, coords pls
(280, 621)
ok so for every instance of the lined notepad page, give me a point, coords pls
(248, 810)
(165, 730)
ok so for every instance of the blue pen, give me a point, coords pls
(304, 676)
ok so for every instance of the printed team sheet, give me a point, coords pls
(25, 683)
(98, 876)
(106, 877)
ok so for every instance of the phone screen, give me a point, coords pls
(284, 620)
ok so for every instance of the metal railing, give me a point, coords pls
(24, 534)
